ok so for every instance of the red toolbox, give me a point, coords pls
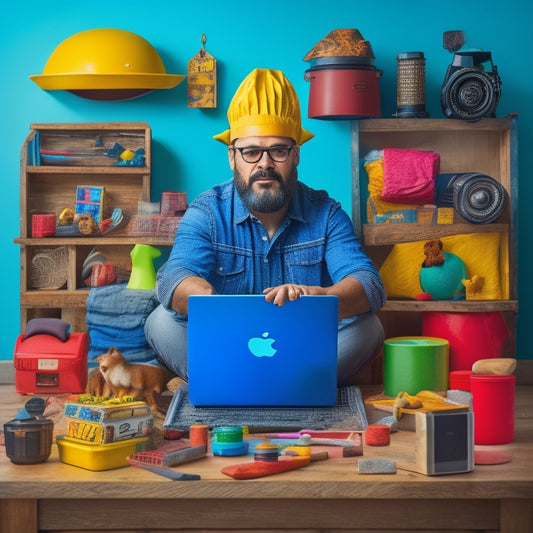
(45, 363)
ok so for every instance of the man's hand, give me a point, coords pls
(352, 297)
(289, 291)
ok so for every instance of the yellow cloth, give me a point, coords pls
(431, 401)
(484, 255)
(374, 169)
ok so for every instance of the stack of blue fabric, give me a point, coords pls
(116, 317)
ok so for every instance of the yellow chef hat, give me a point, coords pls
(265, 104)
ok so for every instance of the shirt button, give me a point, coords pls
(265, 260)
(265, 238)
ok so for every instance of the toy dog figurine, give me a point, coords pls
(116, 377)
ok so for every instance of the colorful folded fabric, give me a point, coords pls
(401, 215)
(377, 208)
(409, 175)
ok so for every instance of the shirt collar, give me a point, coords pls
(296, 207)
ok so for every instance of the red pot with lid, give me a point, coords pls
(343, 81)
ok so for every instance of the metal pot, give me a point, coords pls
(343, 89)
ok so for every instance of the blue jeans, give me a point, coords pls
(359, 341)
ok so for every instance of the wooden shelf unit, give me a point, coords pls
(488, 146)
(49, 188)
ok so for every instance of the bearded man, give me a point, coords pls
(266, 232)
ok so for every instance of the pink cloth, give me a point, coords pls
(409, 175)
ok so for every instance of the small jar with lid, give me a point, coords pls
(29, 436)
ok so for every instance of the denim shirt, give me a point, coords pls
(219, 240)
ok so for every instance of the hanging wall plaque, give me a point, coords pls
(202, 79)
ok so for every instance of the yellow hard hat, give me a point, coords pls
(265, 104)
(105, 58)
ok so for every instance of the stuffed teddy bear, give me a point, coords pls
(433, 253)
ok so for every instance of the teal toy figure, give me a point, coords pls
(143, 270)
(442, 273)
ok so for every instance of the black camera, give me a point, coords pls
(471, 88)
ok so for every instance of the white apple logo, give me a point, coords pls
(262, 346)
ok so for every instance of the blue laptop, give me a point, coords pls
(244, 351)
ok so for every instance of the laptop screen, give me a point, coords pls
(245, 351)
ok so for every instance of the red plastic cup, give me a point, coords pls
(493, 406)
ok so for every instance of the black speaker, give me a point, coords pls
(444, 442)
(472, 87)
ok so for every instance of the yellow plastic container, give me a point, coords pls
(98, 457)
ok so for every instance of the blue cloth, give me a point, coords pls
(116, 317)
(219, 240)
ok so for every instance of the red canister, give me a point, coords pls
(472, 336)
(343, 91)
(43, 225)
(460, 379)
(493, 406)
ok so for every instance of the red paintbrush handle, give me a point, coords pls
(264, 468)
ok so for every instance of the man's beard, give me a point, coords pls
(269, 199)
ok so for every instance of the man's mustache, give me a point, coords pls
(268, 173)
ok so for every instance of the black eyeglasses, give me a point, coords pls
(253, 154)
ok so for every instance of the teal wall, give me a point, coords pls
(242, 36)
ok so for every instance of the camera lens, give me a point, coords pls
(470, 94)
(478, 198)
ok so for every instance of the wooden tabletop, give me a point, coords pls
(325, 495)
(334, 478)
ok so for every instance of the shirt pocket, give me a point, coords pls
(229, 272)
(304, 264)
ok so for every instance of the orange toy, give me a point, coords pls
(264, 468)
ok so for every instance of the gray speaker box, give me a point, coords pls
(444, 443)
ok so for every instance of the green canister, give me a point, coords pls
(413, 364)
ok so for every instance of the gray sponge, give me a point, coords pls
(376, 466)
